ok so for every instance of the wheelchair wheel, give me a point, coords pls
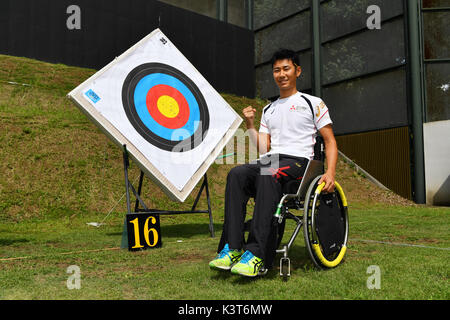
(325, 225)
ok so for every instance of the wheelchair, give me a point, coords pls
(325, 218)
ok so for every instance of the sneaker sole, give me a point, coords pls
(261, 272)
(244, 274)
(220, 268)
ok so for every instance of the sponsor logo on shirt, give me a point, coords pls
(297, 108)
(319, 108)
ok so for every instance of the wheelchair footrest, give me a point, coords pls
(285, 267)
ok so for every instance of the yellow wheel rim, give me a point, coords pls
(316, 247)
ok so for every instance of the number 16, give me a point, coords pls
(137, 241)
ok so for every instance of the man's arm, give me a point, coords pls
(331, 153)
(259, 139)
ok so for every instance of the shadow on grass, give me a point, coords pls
(8, 242)
(188, 230)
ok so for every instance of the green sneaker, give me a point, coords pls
(248, 265)
(225, 259)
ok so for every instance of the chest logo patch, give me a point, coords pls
(297, 108)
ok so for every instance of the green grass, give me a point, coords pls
(59, 172)
(44, 249)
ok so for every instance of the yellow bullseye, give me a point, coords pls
(168, 106)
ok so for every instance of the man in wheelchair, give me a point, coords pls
(286, 139)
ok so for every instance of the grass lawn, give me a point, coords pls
(36, 255)
(59, 172)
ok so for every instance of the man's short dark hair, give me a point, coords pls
(282, 54)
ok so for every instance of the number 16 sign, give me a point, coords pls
(143, 231)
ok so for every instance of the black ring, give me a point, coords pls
(128, 89)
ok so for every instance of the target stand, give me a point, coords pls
(156, 212)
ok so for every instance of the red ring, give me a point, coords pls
(152, 105)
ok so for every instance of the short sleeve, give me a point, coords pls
(321, 115)
(263, 127)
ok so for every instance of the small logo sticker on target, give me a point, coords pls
(92, 96)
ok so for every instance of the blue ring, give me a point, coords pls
(140, 97)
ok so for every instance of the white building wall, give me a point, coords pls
(437, 162)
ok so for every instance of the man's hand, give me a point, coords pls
(331, 155)
(249, 115)
(259, 139)
(328, 178)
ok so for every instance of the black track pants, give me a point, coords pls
(264, 183)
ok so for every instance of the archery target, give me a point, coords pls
(165, 107)
(153, 100)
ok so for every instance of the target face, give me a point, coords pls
(154, 102)
(165, 107)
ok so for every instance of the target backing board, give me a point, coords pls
(152, 99)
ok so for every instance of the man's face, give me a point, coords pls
(285, 74)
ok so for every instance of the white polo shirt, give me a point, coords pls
(293, 126)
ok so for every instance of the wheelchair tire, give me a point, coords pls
(325, 259)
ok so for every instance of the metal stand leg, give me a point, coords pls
(139, 200)
(205, 186)
(141, 179)
(211, 225)
(126, 163)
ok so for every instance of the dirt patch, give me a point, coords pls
(358, 188)
(192, 257)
